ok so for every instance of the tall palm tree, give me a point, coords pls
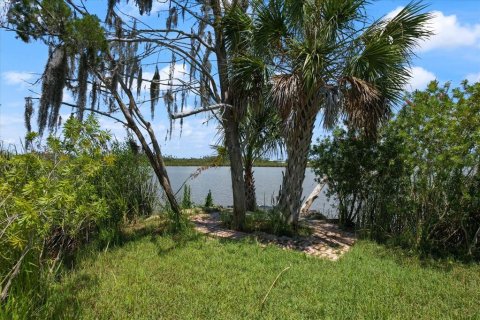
(326, 58)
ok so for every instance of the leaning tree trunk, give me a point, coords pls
(299, 137)
(154, 156)
(313, 196)
(251, 201)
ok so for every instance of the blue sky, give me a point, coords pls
(453, 54)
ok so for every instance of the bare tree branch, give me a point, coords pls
(197, 111)
(93, 110)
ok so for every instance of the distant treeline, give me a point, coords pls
(211, 160)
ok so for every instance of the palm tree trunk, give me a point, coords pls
(298, 146)
(251, 201)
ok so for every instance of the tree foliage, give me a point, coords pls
(70, 38)
(420, 182)
(54, 199)
(328, 58)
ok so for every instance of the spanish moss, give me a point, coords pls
(53, 83)
(139, 81)
(132, 70)
(169, 100)
(111, 105)
(114, 76)
(28, 113)
(172, 19)
(82, 85)
(154, 91)
(110, 11)
(93, 95)
(144, 6)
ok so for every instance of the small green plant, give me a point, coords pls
(176, 224)
(187, 199)
(226, 218)
(209, 200)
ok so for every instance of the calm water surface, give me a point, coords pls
(267, 183)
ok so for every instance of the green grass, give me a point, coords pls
(155, 277)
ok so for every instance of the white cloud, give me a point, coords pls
(193, 138)
(12, 130)
(448, 31)
(180, 73)
(420, 78)
(6, 120)
(115, 128)
(18, 77)
(473, 77)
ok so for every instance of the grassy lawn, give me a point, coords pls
(155, 278)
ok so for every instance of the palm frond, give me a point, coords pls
(363, 104)
(269, 27)
(385, 49)
(249, 76)
(287, 94)
(238, 26)
(408, 27)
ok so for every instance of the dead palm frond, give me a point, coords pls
(363, 105)
(287, 94)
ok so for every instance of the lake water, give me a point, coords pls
(267, 183)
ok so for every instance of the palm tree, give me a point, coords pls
(325, 58)
(260, 137)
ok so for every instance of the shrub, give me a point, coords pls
(187, 199)
(53, 201)
(129, 184)
(209, 199)
(420, 183)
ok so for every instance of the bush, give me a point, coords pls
(187, 199)
(129, 184)
(51, 202)
(420, 183)
(209, 200)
